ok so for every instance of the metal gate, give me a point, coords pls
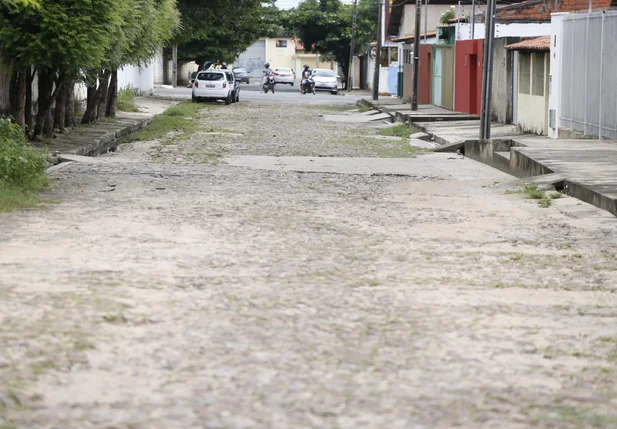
(443, 76)
(589, 61)
(253, 58)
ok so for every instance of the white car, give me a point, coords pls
(284, 75)
(216, 84)
(326, 80)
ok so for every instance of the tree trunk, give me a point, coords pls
(69, 109)
(29, 79)
(103, 89)
(112, 102)
(94, 98)
(17, 94)
(48, 128)
(60, 111)
(47, 97)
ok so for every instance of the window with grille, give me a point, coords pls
(537, 81)
(524, 81)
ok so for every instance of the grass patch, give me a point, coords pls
(400, 130)
(126, 99)
(176, 123)
(22, 168)
(14, 198)
(534, 192)
(364, 109)
(585, 419)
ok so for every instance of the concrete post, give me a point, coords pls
(174, 66)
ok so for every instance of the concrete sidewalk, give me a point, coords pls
(584, 169)
(100, 137)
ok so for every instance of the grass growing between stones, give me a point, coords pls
(177, 122)
(126, 99)
(534, 192)
(400, 130)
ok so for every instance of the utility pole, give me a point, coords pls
(378, 55)
(353, 47)
(416, 58)
(174, 65)
(473, 18)
(487, 72)
(425, 20)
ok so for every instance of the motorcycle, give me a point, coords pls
(269, 85)
(307, 85)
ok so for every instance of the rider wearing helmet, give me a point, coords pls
(267, 72)
(306, 74)
(224, 66)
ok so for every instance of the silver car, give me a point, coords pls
(325, 80)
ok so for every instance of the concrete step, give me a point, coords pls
(507, 155)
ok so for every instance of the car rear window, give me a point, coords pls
(284, 70)
(239, 70)
(210, 76)
(324, 73)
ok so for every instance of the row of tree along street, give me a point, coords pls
(64, 42)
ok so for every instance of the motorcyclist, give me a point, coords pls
(306, 74)
(224, 66)
(267, 72)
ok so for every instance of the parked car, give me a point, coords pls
(214, 85)
(241, 74)
(284, 75)
(325, 80)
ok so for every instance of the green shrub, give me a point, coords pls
(21, 165)
(126, 99)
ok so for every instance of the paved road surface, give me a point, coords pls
(283, 94)
(303, 274)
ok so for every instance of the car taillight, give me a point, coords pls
(276, 74)
(196, 84)
(224, 84)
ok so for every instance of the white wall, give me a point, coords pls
(505, 30)
(408, 21)
(554, 101)
(142, 79)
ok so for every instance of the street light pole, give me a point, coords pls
(353, 47)
(416, 58)
(377, 56)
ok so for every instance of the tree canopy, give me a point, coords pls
(63, 41)
(325, 26)
(220, 30)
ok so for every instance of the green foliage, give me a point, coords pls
(21, 165)
(22, 168)
(219, 30)
(400, 130)
(448, 15)
(126, 99)
(324, 26)
(66, 36)
(14, 4)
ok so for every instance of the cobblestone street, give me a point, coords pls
(279, 271)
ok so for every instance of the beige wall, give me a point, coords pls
(281, 57)
(312, 62)
(408, 22)
(533, 109)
